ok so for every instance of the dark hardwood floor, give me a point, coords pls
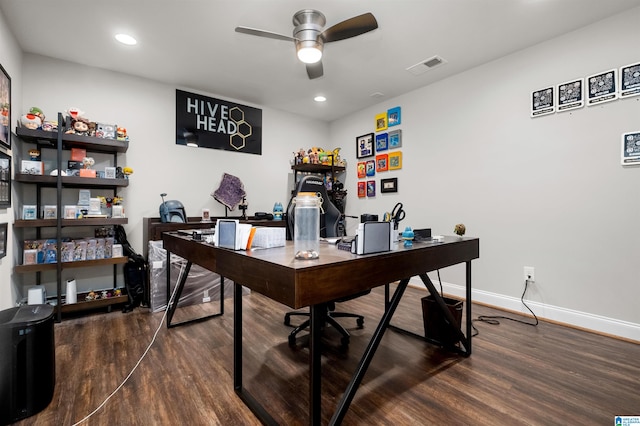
(517, 374)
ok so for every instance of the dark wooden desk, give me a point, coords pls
(295, 283)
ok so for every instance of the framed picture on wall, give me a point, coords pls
(382, 162)
(3, 239)
(630, 148)
(630, 80)
(395, 160)
(394, 116)
(364, 146)
(381, 122)
(395, 139)
(5, 108)
(602, 87)
(371, 188)
(389, 185)
(382, 142)
(5, 181)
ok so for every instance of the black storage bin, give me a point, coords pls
(435, 325)
(27, 361)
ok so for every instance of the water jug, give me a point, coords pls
(306, 225)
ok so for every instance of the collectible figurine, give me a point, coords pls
(407, 236)
(34, 154)
(31, 121)
(88, 162)
(122, 134)
(79, 126)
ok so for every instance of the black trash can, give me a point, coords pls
(435, 324)
(27, 361)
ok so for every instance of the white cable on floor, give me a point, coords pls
(164, 316)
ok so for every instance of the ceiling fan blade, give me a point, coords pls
(263, 33)
(315, 70)
(350, 28)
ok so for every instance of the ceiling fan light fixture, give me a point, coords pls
(309, 52)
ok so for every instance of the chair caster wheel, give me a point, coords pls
(344, 341)
(360, 322)
(292, 341)
(287, 320)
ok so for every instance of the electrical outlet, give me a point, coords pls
(529, 273)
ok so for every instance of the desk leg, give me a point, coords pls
(317, 315)
(244, 395)
(173, 304)
(468, 312)
(343, 406)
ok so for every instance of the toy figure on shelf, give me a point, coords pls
(79, 126)
(33, 119)
(34, 154)
(88, 162)
(121, 133)
(126, 171)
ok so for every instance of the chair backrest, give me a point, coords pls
(329, 215)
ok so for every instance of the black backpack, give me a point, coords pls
(135, 271)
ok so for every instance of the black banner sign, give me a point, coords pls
(213, 123)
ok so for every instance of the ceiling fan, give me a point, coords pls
(310, 36)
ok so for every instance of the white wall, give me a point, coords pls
(547, 192)
(11, 60)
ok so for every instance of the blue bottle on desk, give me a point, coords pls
(407, 236)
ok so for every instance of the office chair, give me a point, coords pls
(329, 218)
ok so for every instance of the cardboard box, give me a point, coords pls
(78, 154)
(32, 167)
(88, 173)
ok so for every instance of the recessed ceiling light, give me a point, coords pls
(126, 39)
(319, 98)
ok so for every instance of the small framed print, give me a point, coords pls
(3, 239)
(630, 148)
(630, 80)
(117, 211)
(364, 146)
(601, 87)
(395, 160)
(5, 106)
(5, 180)
(395, 139)
(381, 122)
(362, 189)
(29, 212)
(570, 95)
(206, 215)
(394, 117)
(542, 102)
(389, 185)
(371, 168)
(362, 169)
(109, 172)
(69, 212)
(382, 142)
(371, 188)
(30, 257)
(382, 162)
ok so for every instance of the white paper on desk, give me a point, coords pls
(242, 235)
(268, 237)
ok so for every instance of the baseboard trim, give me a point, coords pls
(588, 322)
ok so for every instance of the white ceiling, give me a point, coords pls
(192, 43)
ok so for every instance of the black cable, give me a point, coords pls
(493, 319)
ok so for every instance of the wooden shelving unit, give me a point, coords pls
(60, 142)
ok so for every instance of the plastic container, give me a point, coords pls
(306, 225)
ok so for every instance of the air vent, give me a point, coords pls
(426, 65)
